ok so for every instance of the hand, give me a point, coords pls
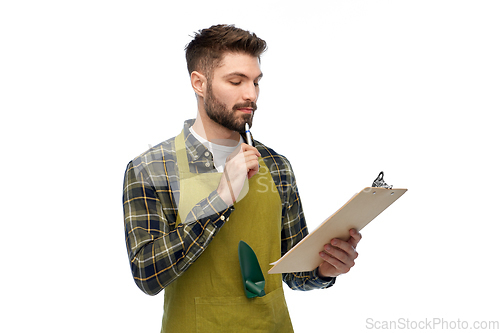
(339, 256)
(242, 163)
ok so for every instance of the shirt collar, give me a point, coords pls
(194, 148)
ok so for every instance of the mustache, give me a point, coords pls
(252, 105)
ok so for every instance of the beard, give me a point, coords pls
(229, 118)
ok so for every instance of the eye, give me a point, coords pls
(235, 83)
(256, 84)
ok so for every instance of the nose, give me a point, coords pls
(251, 92)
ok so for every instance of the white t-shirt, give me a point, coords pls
(219, 152)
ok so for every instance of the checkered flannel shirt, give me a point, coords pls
(159, 252)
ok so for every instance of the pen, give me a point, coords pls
(247, 131)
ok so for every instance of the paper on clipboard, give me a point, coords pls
(360, 210)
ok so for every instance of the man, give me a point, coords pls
(189, 200)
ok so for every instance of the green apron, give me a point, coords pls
(209, 296)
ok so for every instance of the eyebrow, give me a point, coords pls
(242, 75)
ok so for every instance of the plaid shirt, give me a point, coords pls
(159, 252)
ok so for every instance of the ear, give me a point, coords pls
(199, 83)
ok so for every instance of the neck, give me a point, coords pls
(214, 132)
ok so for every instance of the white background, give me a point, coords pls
(350, 88)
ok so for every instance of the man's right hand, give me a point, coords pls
(242, 163)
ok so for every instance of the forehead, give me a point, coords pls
(239, 63)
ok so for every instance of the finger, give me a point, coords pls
(340, 255)
(241, 150)
(251, 162)
(346, 247)
(337, 267)
(252, 167)
(355, 237)
(251, 159)
(252, 172)
(248, 148)
(241, 158)
(251, 154)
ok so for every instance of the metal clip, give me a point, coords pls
(379, 181)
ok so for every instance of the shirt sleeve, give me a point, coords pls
(294, 229)
(158, 251)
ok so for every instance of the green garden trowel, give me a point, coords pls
(253, 279)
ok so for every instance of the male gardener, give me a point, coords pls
(189, 201)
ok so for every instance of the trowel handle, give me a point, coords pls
(252, 287)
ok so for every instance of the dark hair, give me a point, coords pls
(205, 51)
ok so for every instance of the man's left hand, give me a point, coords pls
(339, 256)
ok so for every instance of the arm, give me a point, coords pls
(158, 251)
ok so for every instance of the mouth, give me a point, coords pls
(246, 110)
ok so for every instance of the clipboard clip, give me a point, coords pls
(379, 181)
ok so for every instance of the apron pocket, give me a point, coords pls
(240, 314)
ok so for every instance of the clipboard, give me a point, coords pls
(360, 210)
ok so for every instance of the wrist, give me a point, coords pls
(225, 190)
(322, 276)
(225, 196)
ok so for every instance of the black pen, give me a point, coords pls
(249, 137)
